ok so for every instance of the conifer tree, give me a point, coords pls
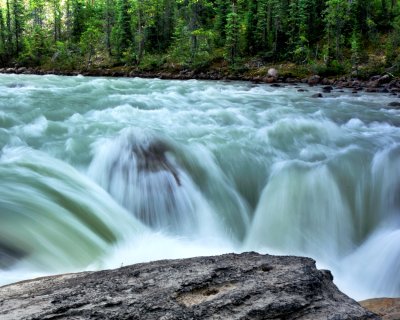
(232, 35)
(18, 23)
(336, 17)
(121, 33)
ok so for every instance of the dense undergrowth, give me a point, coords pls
(298, 37)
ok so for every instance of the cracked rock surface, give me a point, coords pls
(231, 286)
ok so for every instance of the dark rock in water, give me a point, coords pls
(302, 90)
(152, 158)
(394, 105)
(245, 286)
(15, 85)
(327, 89)
(276, 85)
(317, 95)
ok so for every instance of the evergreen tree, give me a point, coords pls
(3, 39)
(109, 20)
(18, 21)
(159, 33)
(222, 8)
(251, 46)
(300, 22)
(336, 17)
(232, 35)
(78, 20)
(195, 32)
(57, 15)
(121, 32)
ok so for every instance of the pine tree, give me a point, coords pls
(336, 17)
(222, 8)
(121, 32)
(251, 27)
(78, 20)
(18, 18)
(3, 39)
(232, 35)
(57, 15)
(109, 20)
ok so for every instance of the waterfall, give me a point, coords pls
(54, 217)
(98, 173)
(142, 173)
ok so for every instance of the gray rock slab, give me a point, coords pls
(231, 286)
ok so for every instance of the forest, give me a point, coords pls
(323, 36)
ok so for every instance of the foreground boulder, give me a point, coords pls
(244, 286)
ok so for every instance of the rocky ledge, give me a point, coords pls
(231, 286)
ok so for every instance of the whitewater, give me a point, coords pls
(99, 173)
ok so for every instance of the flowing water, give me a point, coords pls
(98, 173)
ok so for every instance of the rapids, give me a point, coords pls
(98, 173)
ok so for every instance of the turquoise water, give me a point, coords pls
(98, 173)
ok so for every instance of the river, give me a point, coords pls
(102, 172)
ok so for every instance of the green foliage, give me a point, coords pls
(334, 68)
(152, 62)
(78, 19)
(121, 35)
(90, 38)
(36, 48)
(393, 45)
(63, 57)
(336, 18)
(221, 11)
(232, 36)
(355, 51)
(334, 36)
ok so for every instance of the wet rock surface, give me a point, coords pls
(232, 286)
(394, 105)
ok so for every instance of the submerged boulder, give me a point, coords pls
(231, 286)
(152, 158)
(394, 105)
(317, 95)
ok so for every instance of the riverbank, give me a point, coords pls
(385, 83)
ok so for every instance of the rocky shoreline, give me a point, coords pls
(376, 84)
(230, 286)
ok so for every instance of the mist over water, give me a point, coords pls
(98, 173)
